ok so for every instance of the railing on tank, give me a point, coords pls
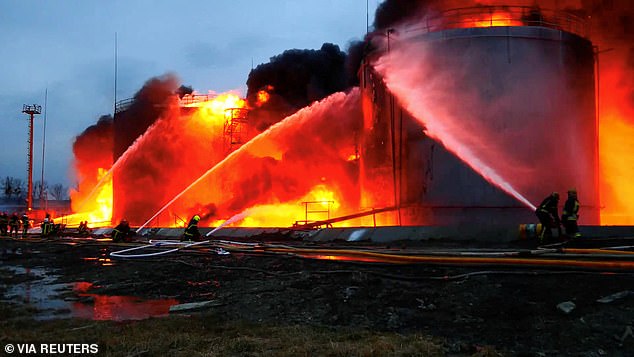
(123, 105)
(493, 16)
(191, 100)
(188, 100)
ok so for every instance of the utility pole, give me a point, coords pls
(31, 110)
(43, 193)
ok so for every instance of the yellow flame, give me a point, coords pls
(324, 204)
(214, 111)
(498, 18)
(617, 170)
(98, 211)
(263, 97)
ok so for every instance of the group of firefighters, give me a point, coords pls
(10, 225)
(123, 233)
(548, 215)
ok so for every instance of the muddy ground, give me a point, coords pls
(513, 311)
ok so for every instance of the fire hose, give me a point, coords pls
(557, 257)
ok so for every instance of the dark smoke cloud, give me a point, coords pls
(93, 151)
(93, 147)
(392, 12)
(148, 104)
(297, 78)
(184, 90)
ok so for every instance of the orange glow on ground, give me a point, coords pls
(117, 308)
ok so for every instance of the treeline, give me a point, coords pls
(15, 190)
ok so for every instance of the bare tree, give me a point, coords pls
(18, 189)
(59, 192)
(39, 190)
(7, 187)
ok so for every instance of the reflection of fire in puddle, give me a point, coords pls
(117, 308)
(102, 260)
(349, 258)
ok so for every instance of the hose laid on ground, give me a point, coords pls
(120, 253)
(455, 258)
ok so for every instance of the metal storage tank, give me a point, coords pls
(401, 166)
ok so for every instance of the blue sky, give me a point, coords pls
(67, 46)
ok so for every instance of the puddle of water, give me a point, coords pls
(117, 308)
(42, 293)
(39, 291)
(102, 260)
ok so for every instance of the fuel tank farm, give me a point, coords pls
(527, 86)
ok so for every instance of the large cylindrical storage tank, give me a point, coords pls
(555, 113)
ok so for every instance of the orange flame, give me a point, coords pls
(498, 18)
(97, 210)
(263, 97)
(214, 110)
(323, 203)
(616, 128)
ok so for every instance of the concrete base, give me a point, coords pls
(496, 233)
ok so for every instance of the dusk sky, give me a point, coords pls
(67, 46)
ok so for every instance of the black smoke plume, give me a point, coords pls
(147, 105)
(296, 78)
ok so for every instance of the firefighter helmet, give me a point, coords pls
(555, 194)
(196, 218)
(572, 190)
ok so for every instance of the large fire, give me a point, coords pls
(282, 177)
(616, 131)
(96, 207)
(494, 19)
(305, 168)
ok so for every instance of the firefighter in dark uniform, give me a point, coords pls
(191, 232)
(548, 216)
(14, 224)
(121, 233)
(47, 226)
(4, 223)
(570, 215)
(25, 225)
(83, 230)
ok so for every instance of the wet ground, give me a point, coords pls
(514, 309)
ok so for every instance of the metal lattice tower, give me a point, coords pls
(31, 110)
(236, 127)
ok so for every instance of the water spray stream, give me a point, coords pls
(181, 245)
(123, 158)
(237, 217)
(290, 120)
(416, 86)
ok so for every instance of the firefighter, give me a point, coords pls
(14, 224)
(4, 223)
(548, 216)
(46, 226)
(83, 229)
(191, 232)
(121, 233)
(570, 215)
(25, 224)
